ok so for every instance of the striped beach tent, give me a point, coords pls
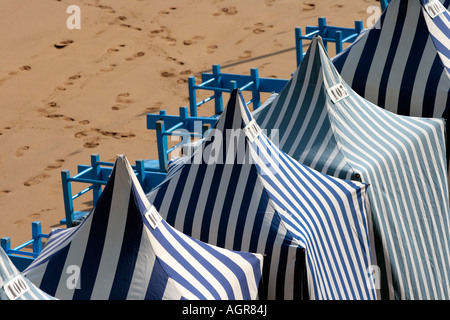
(14, 286)
(237, 190)
(124, 250)
(323, 123)
(402, 63)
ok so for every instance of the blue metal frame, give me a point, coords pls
(224, 82)
(184, 126)
(338, 35)
(189, 125)
(18, 256)
(384, 4)
(96, 175)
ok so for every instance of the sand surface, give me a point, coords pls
(90, 93)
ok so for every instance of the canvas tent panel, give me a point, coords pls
(402, 62)
(124, 250)
(403, 160)
(311, 228)
(14, 286)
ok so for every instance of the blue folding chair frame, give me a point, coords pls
(338, 35)
(97, 175)
(219, 83)
(18, 256)
(384, 4)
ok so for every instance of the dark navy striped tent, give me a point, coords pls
(124, 250)
(239, 191)
(326, 125)
(14, 286)
(402, 63)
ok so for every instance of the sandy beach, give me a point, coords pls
(66, 94)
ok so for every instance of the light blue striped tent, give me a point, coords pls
(326, 125)
(123, 250)
(14, 286)
(402, 63)
(239, 191)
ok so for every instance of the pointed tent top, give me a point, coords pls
(13, 286)
(314, 85)
(125, 250)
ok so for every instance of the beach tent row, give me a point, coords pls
(239, 191)
(326, 125)
(124, 250)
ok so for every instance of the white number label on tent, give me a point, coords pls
(16, 287)
(434, 8)
(252, 130)
(153, 217)
(338, 92)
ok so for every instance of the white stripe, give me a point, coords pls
(114, 234)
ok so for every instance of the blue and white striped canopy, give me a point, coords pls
(239, 191)
(402, 63)
(326, 125)
(14, 286)
(123, 250)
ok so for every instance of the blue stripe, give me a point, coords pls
(429, 98)
(175, 201)
(226, 210)
(364, 64)
(193, 200)
(129, 252)
(403, 7)
(259, 220)
(182, 260)
(158, 281)
(95, 243)
(209, 207)
(54, 271)
(244, 209)
(412, 65)
(233, 266)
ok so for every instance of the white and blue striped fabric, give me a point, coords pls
(14, 286)
(402, 63)
(239, 191)
(402, 158)
(123, 250)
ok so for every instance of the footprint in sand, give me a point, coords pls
(59, 116)
(246, 54)
(211, 48)
(20, 150)
(308, 6)
(70, 80)
(226, 10)
(36, 180)
(55, 165)
(175, 60)
(117, 135)
(123, 98)
(109, 68)
(167, 74)
(30, 218)
(25, 68)
(136, 55)
(91, 143)
(62, 44)
(259, 27)
(52, 104)
(6, 191)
